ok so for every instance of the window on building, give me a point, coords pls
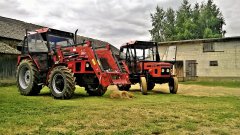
(213, 63)
(208, 47)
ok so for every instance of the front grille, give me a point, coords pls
(78, 66)
(115, 77)
(156, 71)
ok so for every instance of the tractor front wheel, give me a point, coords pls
(124, 87)
(94, 90)
(143, 85)
(173, 85)
(150, 85)
(61, 82)
(28, 78)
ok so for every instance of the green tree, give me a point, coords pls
(199, 21)
(197, 30)
(211, 20)
(169, 25)
(184, 24)
(157, 23)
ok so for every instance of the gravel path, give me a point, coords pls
(193, 90)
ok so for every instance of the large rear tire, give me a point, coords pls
(28, 78)
(143, 85)
(61, 82)
(173, 85)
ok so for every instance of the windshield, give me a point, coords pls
(148, 54)
(59, 41)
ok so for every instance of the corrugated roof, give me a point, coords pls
(15, 29)
(6, 49)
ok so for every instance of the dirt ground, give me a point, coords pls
(192, 90)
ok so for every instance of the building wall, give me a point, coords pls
(226, 53)
(8, 66)
(227, 57)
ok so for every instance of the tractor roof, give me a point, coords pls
(139, 44)
(55, 32)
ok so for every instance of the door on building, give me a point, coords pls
(191, 69)
(179, 70)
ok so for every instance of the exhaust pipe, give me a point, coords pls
(75, 37)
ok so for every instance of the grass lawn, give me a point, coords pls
(155, 113)
(7, 82)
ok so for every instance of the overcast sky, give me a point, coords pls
(114, 21)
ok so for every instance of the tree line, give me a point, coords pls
(196, 21)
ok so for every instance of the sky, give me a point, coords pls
(114, 21)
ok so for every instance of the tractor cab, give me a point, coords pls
(45, 40)
(143, 57)
(42, 43)
(144, 64)
(135, 53)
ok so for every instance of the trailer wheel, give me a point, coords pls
(61, 82)
(173, 85)
(143, 85)
(95, 90)
(28, 78)
(150, 85)
(124, 87)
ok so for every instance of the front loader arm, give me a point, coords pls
(96, 65)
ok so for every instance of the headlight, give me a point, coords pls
(162, 70)
(87, 65)
(168, 70)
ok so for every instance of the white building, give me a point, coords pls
(206, 58)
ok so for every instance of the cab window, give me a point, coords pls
(36, 43)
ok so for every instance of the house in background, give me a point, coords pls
(12, 32)
(8, 59)
(206, 58)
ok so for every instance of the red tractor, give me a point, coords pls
(145, 67)
(51, 57)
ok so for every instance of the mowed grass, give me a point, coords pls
(156, 113)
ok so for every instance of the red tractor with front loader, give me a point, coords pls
(52, 58)
(144, 66)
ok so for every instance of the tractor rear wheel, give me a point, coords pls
(94, 90)
(61, 82)
(150, 85)
(124, 87)
(173, 85)
(28, 78)
(143, 85)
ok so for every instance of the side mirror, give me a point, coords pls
(121, 49)
(19, 48)
(21, 45)
(122, 56)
